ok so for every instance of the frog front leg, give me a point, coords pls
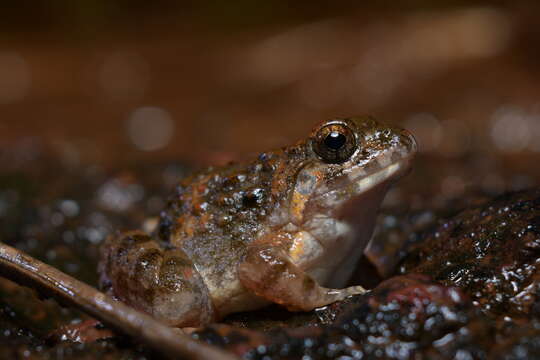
(155, 278)
(270, 272)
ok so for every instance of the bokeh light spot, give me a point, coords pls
(511, 129)
(150, 128)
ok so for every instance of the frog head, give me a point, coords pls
(340, 180)
(347, 160)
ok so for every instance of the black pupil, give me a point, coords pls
(335, 140)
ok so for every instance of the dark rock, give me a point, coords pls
(404, 317)
(490, 252)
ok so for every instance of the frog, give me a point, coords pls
(285, 227)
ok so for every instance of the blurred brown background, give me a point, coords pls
(123, 81)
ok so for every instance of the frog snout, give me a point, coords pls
(409, 141)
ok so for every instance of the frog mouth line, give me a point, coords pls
(389, 172)
(362, 183)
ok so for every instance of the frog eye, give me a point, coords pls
(334, 143)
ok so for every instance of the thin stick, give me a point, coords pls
(31, 272)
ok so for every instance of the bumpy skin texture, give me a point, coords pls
(273, 230)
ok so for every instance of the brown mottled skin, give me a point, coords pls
(276, 229)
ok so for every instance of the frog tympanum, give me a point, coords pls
(286, 228)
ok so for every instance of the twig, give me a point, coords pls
(49, 281)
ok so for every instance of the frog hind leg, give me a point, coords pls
(270, 273)
(158, 280)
